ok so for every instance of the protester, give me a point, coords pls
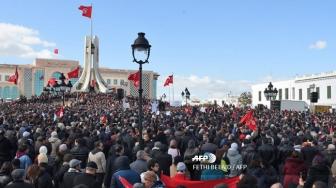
(89, 177)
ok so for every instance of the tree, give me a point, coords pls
(245, 98)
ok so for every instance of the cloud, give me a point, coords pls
(204, 87)
(320, 44)
(23, 42)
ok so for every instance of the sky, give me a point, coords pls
(213, 47)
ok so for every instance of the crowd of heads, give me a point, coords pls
(93, 123)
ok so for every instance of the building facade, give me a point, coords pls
(34, 77)
(299, 89)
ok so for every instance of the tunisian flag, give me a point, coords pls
(86, 10)
(135, 77)
(60, 112)
(249, 120)
(73, 73)
(168, 81)
(52, 81)
(14, 78)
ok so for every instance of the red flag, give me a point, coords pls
(168, 81)
(73, 73)
(249, 120)
(60, 112)
(246, 117)
(56, 51)
(135, 77)
(86, 10)
(52, 81)
(172, 182)
(14, 78)
(125, 183)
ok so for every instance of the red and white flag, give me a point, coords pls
(135, 77)
(60, 112)
(249, 120)
(169, 80)
(52, 81)
(14, 78)
(86, 10)
(74, 73)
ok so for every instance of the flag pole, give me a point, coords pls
(91, 20)
(173, 87)
(169, 94)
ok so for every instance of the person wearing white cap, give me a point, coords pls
(55, 143)
(236, 160)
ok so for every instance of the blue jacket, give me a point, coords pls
(25, 162)
(130, 175)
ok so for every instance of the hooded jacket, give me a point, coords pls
(124, 171)
(236, 162)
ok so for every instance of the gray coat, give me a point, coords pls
(139, 166)
(236, 162)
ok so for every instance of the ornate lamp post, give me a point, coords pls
(140, 52)
(61, 88)
(270, 93)
(187, 95)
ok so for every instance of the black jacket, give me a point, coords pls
(81, 153)
(19, 184)
(317, 173)
(88, 180)
(44, 180)
(58, 177)
(267, 153)
(68, 179)
(165, 161)
(5, 149)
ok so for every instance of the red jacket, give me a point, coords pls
(292, 169)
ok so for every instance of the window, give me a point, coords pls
(293, 93)
(286, 93)
(300, 94)
(308, 93)
(280, 94)
(6, 77)
(108, 81)
(259, 95)
(122, 82)
(115, 82)
(318, 92)
(328, 92)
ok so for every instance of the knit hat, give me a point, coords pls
(181, 166)
(43, 149)
(234, 146)
(63, 148)
(54, 134)
(25, 134)
(42, 158)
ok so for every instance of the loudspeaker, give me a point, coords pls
(313, 97)
(120, 94)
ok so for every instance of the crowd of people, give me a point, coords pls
(96, 142)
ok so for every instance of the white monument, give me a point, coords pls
(90, 76)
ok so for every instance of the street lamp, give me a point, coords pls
(62, 87)
(140, 52)
(186, 93)
(270, 93)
